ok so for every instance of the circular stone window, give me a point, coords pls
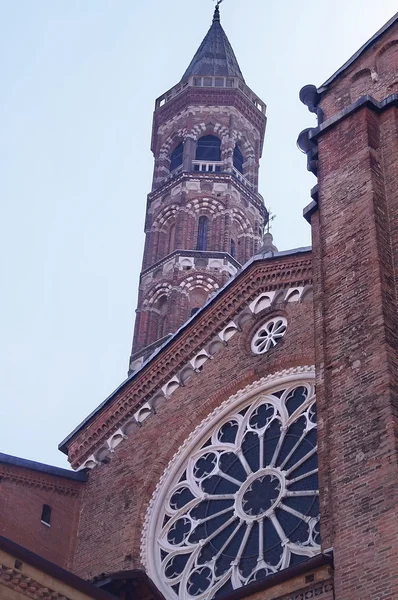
(239, 501)
(268, 335)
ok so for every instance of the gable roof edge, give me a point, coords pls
(357, 54)
(63, 446)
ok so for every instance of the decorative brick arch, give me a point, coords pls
(205, 281)
(155, 293)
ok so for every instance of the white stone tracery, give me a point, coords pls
(239, 500)
(268, 335)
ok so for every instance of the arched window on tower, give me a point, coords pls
(176, 157)
(233, 249)
(208, 148)
(238, 159)
(203, 228)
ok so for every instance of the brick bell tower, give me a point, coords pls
(204, 217)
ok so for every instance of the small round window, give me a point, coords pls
(268, 335)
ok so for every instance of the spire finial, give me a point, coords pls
(216, 16)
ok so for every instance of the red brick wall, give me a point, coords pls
(355, 241)
(374, 73)
(22, 495)
(117, 494)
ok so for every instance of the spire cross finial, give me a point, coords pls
(271, 217)
(216, 16)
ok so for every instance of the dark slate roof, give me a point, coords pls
(358, 53)
(215, 55)
(15, 461)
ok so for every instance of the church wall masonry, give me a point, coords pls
(205, 335)
(373, 73)
(23, 494)
(117, 494)
(355, 288)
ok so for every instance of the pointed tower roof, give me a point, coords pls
(215, 55)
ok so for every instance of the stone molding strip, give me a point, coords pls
(73, 489)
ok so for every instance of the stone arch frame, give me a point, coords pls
(162, 153)
(162, 223)
(163, 216)
(247, 149)
(170, 143)
(192, 440)
(210, 128)
(193, 280)
(155, 293)
(155, 328)
(206, 205)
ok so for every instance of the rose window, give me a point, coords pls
(244, 502)
(268, 335)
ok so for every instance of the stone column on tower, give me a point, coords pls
(205, 217)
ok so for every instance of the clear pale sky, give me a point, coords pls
(79, 79)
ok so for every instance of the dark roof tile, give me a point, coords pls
(215, 55)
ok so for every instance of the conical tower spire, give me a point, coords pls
(215, 55)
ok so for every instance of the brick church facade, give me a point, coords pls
(252, 450)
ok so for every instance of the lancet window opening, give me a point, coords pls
(203, 229)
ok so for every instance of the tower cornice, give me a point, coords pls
(253, 197)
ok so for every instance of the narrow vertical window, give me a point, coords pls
(46, 515)
(171, 238)
(238, 159)
(233, 249)
(176, 157)
(202, 233)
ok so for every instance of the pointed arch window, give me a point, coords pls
(176, 157)
(238, 159)
(203, 229)
(233, 248)
(208, 148)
